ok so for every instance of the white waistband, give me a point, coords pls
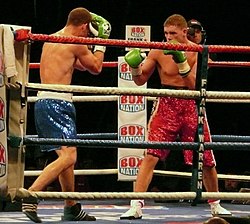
(55, 95)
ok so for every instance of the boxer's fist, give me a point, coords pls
(99, 27)
(178, 56)
(180, 59)
(134, 58)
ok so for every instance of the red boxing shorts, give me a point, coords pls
(172, 118)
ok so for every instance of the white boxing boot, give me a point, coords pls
(217, 210)
(135, 211)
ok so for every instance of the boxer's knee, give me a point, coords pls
(150, 160)
(68, 155)
(209, 159)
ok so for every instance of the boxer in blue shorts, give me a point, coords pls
(55, 114)
(55, 118)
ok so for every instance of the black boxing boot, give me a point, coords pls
(75, 213)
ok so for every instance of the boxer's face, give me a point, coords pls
(175, 33)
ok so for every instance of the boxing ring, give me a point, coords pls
(116, 200)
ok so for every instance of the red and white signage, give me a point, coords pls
(3, 134)
(132, 121)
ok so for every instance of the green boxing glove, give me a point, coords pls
(180, 59)
(99, 27)
(134, 58)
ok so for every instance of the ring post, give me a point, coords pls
(3, 135)
(201, 84)
(16, 76)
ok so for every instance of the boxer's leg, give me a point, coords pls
(72, 210)
(66, 158)
(162, 127)
(210, 178)
(143, 180)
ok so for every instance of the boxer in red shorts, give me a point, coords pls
(171, 116)
(175, 117)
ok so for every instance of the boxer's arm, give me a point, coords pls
(141, 69)
(190, 79)
(86, 60)
(78, 65)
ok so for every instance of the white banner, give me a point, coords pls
(132, 124)
(138, 33)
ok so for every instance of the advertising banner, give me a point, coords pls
(132, 121)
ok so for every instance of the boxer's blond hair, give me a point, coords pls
(176, 20)
(79, 16)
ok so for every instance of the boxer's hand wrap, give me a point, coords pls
(180, 59)
(134, 58)
(99, 48)
(136, 71)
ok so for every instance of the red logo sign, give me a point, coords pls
(124, 72)
(129, 165)
(2, 161)
(138, 31)
(132, 133)
(2, 112)
(132, 103)
(1, 108)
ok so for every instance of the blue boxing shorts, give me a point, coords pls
(55, 117)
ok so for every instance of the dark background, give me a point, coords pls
(226, 23)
